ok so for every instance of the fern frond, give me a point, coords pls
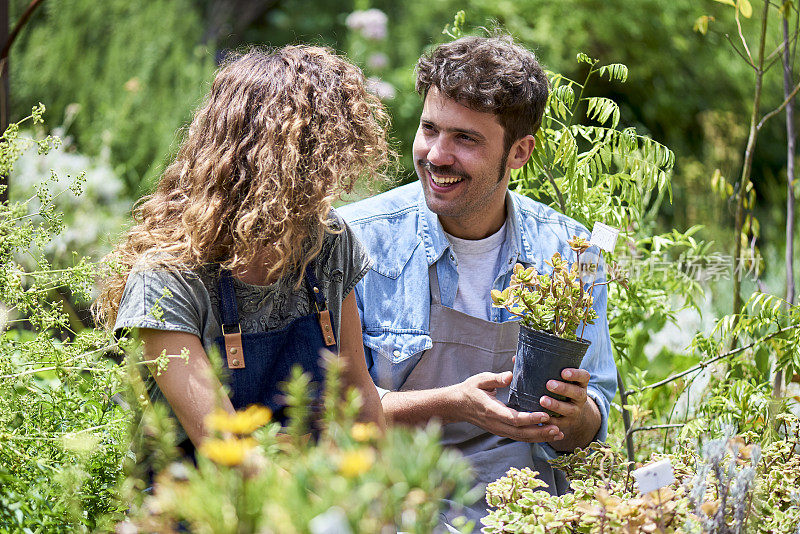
(565, 94)
(602, 109)
(615, 71)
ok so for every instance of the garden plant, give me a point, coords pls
(551, 307)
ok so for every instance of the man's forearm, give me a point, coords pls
(416, 408)
(580, 435)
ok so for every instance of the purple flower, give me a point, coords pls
(370, 23)
(377, 61)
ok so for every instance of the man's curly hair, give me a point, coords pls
(280, 136)
(489, 74)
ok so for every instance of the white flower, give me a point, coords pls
(381, 89)
(370, 23)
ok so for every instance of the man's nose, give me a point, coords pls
(440, 153)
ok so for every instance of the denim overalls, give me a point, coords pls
(258, 362)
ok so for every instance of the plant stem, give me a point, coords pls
(626, 420)
(748, 158)
(655, 427)
(558, 191)
(777, 382)
(4, 86)
(580, 95)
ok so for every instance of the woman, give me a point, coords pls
(239, 250)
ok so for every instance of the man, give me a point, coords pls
(435, 347)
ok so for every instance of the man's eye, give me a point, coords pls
(464, 137)
(426, 127)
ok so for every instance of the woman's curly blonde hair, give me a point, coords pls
(280, 136)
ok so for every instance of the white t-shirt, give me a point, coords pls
(476, 262)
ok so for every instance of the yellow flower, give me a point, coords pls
(364, 431)
(242, 422)
(230, 452)
(356, 462)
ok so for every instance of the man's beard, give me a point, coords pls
(502, 171)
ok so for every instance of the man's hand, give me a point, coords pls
(476, 402)
(580, 417)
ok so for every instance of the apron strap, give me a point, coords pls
(228, 306)
(314, 288)
(231, 329)
(323, 314)
(433, 276)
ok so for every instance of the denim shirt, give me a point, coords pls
(404, 238)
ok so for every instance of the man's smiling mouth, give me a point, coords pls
(441, 179)
(445, 180)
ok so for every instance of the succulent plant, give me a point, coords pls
(557, 302)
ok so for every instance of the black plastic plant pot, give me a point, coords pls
(541, 357)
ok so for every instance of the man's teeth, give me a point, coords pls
(444, 180)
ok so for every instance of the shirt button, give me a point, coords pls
(396, 353)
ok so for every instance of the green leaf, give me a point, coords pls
(727, 2)
(745, 8)
(615, 71)
(701, 24)
(601, 109)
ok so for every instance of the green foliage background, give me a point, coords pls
(137, 71)
(121, 78)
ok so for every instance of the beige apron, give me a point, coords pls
(464, 346)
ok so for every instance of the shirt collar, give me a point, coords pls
(522, 249)
(517, 247)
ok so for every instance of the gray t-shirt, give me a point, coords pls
(189, 300)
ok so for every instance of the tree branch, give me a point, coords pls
(779, 108)
(626, 420)
(20, 24)
(655, 427)
(735, 49)
(558, 191)
(718, 357)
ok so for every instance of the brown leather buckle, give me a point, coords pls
(327, 328)
(234, 352)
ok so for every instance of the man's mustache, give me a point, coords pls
(443, 170)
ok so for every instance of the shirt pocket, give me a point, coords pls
(393, 355)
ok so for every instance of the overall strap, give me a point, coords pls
(228, 308)
(323, 314)
(433, 276)
(231, 329)
(314, 288)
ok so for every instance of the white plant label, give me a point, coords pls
(604, 236)
(654, 476)
(334, 521)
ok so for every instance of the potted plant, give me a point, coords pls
(551, 307)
